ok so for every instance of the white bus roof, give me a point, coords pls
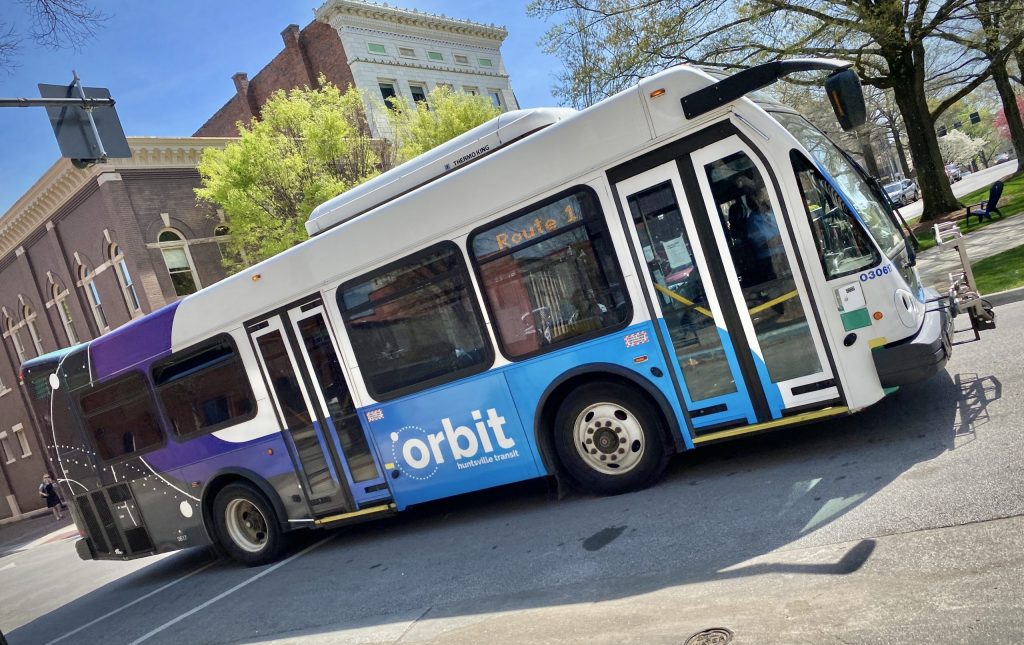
(452, 155)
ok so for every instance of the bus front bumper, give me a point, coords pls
(920, 356)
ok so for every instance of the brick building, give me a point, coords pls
(86, 251)
(383, 50)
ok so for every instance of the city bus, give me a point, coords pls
(574, 294)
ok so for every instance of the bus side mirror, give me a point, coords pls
(847, 98)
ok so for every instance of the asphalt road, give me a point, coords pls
(902, 523)
(970, 183)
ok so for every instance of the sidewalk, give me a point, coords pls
(935, 264)
(20, 534)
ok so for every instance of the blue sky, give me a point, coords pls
(169, 66)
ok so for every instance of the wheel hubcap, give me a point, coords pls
(246, 525)
(608, 438)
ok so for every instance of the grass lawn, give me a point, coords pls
(1010, 204)
(1001, 271)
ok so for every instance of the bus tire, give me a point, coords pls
(610, 439)
(247, 526)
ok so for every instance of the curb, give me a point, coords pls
(1005, 297)
(24, 516)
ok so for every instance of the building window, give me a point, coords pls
(435, 56)
(549, 275)
(462, 59)
(496, 99)
(419, 93)
(407, 52)
(6, 452)
(179, 262)
(376, 48)
(415, 323)
(19, 432)
(120, 417)
(125, 278)
(14, 331)
(485, 62)
(29, 317)
(60, 301)
(475, 91)
(387, 92)
(95, 302)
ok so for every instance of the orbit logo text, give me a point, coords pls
(418, 453)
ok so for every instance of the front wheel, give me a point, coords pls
(247, 525)
(610, 439)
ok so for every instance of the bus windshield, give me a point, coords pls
(872, 212)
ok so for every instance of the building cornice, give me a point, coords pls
(412, 64)
(62, 181)
(335, 10)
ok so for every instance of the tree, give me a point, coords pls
(424, 125)
(959, 147)
(884, 38)
(308, 146)
(54, 24)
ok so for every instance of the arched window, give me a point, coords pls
(60, 301)
(29, 317)
(179, 262)
(131, 298)
(95, 303)
(14, 332)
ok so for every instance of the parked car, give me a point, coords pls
(902, 192)
(1002, 157)
(953, 172)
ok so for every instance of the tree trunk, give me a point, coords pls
(1010, 109)
(870, 163)
(908, 91)
(901, 153)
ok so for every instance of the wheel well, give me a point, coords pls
(560, 389)
(220, 481)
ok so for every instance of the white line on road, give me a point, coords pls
(230, 591)
(134, 602)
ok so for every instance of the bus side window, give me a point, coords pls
(205, 387)
(549, 274)
(843, 245)
(415, 323)
(119, 417)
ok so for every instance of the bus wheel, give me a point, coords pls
(610, 439)
(247, 525)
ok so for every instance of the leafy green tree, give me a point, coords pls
(424, 125)
(308, 146)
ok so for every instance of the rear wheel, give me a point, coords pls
(610, 439)
(247, 525)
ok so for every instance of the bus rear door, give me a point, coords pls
(298, 354)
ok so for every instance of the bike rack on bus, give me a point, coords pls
(963, 291)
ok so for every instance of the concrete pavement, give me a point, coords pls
(935, 264)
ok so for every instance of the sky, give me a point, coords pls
(168, 65)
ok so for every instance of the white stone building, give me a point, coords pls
(407, 53)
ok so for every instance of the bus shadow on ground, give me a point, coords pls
(518, 547)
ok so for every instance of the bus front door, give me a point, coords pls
(724, 289)
(298, 354)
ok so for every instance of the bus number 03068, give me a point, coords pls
(876, 273)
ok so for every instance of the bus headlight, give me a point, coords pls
(906, 308)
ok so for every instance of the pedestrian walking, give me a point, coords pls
(49, 490)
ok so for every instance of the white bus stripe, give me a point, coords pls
(134, 602)
(230, 591)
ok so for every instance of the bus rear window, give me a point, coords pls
(415, 323)
(549, 275)
(204, 388)
(119, 417)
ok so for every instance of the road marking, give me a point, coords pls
(134, 602)
(240, 585)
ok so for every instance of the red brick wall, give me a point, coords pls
(307, 53)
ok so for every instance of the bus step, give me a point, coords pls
(362, 514)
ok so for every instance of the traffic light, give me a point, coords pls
(942, 130)
(975, 117)
(957, 125)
